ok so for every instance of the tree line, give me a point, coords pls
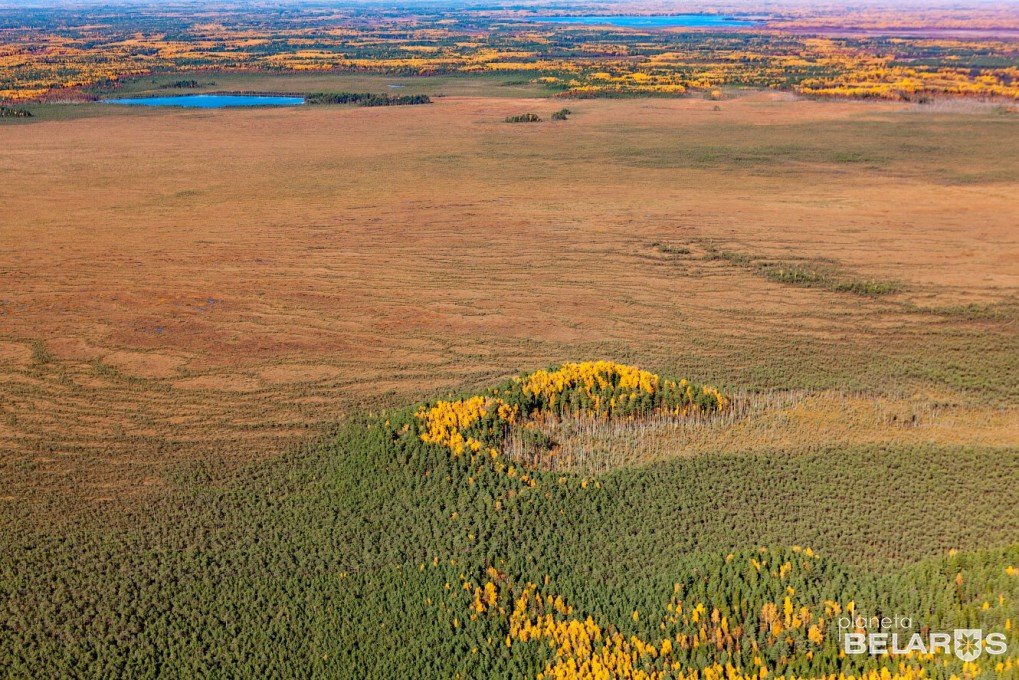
(367, 99)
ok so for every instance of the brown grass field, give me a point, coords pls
(229, 283)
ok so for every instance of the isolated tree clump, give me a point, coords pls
(524, 118)
(10, 112)
(181, 85)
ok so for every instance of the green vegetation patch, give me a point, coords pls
(806, 274)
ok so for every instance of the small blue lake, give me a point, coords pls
(209, 101)
(634, 21)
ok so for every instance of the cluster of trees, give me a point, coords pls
(608, 389)
(11, 112)
(367, 99)
(596, 389)
(524, 118)
(189, 84)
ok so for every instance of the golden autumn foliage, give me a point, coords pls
(777, 54)
(607, 389)
(486, 426)
(447, 421)
(599, 389)
(584, 648)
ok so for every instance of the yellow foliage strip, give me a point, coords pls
(586, 651)
(608, 385)
(589, 376)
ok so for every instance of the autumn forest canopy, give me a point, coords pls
(893, 52)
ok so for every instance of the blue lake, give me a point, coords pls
(671, 21)
(209, 101)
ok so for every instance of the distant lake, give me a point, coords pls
(633, 21)
(209, 101)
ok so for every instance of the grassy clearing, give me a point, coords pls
(793, 422)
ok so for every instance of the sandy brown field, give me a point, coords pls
(228, 283)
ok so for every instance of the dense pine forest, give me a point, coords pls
(410, 545)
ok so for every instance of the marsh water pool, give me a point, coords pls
(635, 21)
(209, 101)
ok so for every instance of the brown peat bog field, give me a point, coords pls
(222, 285)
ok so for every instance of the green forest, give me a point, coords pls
(385, 553)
